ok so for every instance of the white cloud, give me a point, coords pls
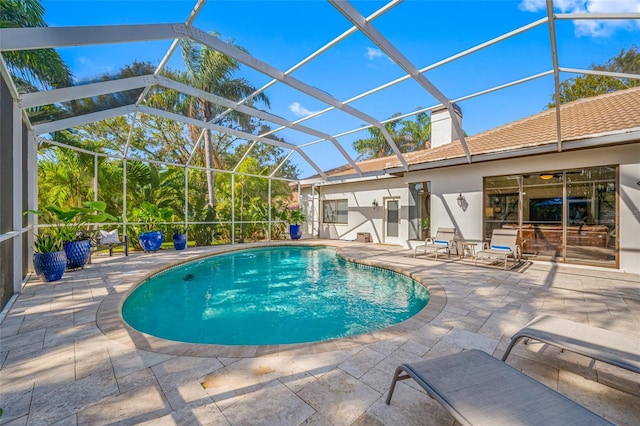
(593, 28)
(373, 53)
(531, 5)
(299, 111)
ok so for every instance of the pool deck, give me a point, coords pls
(67, 358)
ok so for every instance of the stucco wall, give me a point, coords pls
(448, 183)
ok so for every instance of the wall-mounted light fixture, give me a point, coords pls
(461, 200)
(546, 176)
(374, 203)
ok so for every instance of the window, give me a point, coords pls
(563, 215)
(335, 211)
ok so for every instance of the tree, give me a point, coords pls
(408, 135)
(32, 70)
(376, 145)
(212, 72)
(627, 62)
(416, 134)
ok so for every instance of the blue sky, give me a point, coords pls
(283, 33)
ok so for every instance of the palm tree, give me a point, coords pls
(415, 134)
(408, 135)
(32, 70)
(212, 72)
(376, 145)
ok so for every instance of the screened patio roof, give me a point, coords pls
(500, 70)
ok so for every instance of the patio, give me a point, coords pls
(67, 359)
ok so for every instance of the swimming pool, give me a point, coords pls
(273, 295)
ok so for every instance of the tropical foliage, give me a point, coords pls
(151, 143)
(32, 70)
(626, 62)
(408, 135)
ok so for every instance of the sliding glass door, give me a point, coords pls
(563, 215)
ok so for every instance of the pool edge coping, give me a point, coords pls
(110, 322)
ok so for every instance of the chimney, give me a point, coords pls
(442, 130)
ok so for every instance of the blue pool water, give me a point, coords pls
(274, 295)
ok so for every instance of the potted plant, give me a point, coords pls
(426, 222)
(151, 216)
(49, 259)
(180, 237)
(295, 218)
(68, 223)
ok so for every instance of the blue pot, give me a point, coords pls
(77, 253)
(180, 241)
(50, 266)
(295, 231)
(151, 241)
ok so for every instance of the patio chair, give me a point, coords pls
(478, 389)
(444, 241)
(597, 343)
(503, 245)
(107, 240)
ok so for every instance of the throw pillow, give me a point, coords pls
(109, 237)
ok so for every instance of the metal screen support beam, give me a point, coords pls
(238, 133)
(264, 68)
(186, 198)
(312, 56)
(84, 91)
(430, 67)
(269, 212)
(124, 196)
(95, 177)
(367, 29)
(40, 129)
(134, 117)
(244, 156)
(163, 62)
(233, 209)
(603, 73)
(592, 16)
(17, 197)
(183, 88)
(32, 191)
(556, 71)
(282, 163)
(54, 37)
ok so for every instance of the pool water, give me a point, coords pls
(275, 295)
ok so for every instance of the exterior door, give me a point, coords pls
(392, 221)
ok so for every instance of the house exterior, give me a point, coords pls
(574, 201)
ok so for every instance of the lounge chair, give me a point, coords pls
(597, 343)
(503, 245)
(444, 241)
(478, 389)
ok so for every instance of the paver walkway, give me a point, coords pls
(67, 359)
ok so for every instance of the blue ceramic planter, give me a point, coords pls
(77, 253)
(295, 231)
(151, 241)
(50, 266)
(180, 241)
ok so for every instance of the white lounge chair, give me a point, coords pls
(478, 389)
(503, 245)
(603, 345)
(444, 241)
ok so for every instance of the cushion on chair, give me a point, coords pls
(505, 248)
(440, 242)
(109, 237)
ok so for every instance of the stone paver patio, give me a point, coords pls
(67, 358)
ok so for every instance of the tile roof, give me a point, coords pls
(596, 116)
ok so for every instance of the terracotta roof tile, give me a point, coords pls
(605, 114)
